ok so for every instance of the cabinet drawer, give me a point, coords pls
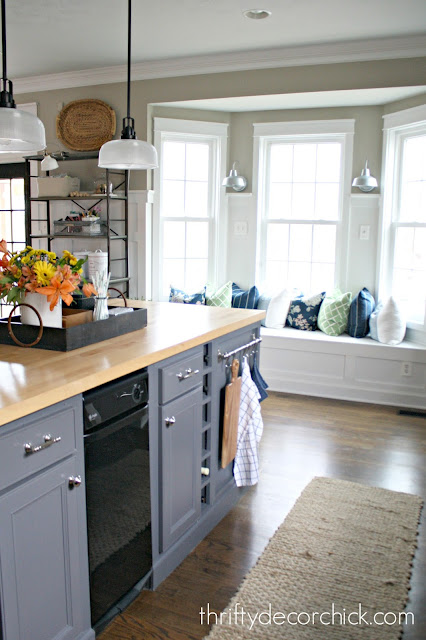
(180, 377)
(43, 439)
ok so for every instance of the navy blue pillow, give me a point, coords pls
(177, 295)
(359, 314)
(244, 299)
(303, 312)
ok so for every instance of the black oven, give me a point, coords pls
(116, 447)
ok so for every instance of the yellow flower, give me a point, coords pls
(52, 256)
(67, 254)
(25, 260)
(73, 261)
(44, 272)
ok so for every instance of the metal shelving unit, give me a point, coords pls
(109, 235)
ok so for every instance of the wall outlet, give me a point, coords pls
(240, 228)
(364, 232)
(406, 369)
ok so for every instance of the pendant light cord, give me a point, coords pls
(6, 94)
(128, 131)
(129, 48)
(3, 39)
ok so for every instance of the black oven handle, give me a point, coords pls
(116, 424)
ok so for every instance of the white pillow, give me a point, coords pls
(387, 324)
(277, 309)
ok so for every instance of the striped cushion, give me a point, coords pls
(244, 299)
(359, 314)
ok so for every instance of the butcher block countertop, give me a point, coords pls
(32, 379)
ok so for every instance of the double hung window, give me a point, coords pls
(403, 266)
(188, 201)
(304, 169)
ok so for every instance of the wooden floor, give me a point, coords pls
(303, 437)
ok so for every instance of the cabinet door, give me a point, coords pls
(180, 465)
(43, 558)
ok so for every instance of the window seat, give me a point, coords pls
(346, 368)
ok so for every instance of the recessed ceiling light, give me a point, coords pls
(257, 14)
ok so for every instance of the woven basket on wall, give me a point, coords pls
(85, 125)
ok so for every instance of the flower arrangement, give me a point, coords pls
(40, 271)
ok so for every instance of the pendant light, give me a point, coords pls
(20, 131)
(129, 152)
(365, 182)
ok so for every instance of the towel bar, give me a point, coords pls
(229, 354)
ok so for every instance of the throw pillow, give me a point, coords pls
(244, 299)
(303, 312)
(276, 308)
(220, 298)
(333, 315)
(387, 324)
(177, 295)
(362, 306)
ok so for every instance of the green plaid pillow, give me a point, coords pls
(220, 298)
(334, 312)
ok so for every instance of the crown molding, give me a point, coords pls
(332, 53)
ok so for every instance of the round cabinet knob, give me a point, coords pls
(74, 481)
(170, 421)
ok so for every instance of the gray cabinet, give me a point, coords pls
(43, 546)
(180, 464)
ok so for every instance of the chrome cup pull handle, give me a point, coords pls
(47, 442)
(170, 421)
(188, 374)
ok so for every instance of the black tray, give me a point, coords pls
(74, 337)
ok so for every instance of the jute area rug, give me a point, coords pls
(344, 549)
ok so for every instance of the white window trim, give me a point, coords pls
(396, 127)
(180, 129)
(338, 130)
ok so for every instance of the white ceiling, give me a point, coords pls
(52, 36)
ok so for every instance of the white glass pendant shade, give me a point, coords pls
(20, 132)
(128, 154)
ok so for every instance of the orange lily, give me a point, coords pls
(3, 246)
(56, 289)
(89, 290)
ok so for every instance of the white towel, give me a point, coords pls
(250, 428)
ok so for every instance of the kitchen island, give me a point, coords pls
(44, 583)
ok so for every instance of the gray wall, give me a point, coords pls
(358, 75)
(367, 140)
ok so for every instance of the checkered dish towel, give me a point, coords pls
(250, 428)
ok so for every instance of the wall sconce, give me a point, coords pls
(48, 163)
(365, 182)
(234, 181)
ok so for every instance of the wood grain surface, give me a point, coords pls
(32, 379)
(230, 416)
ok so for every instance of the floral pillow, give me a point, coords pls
(177, 295)
(303, 312)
